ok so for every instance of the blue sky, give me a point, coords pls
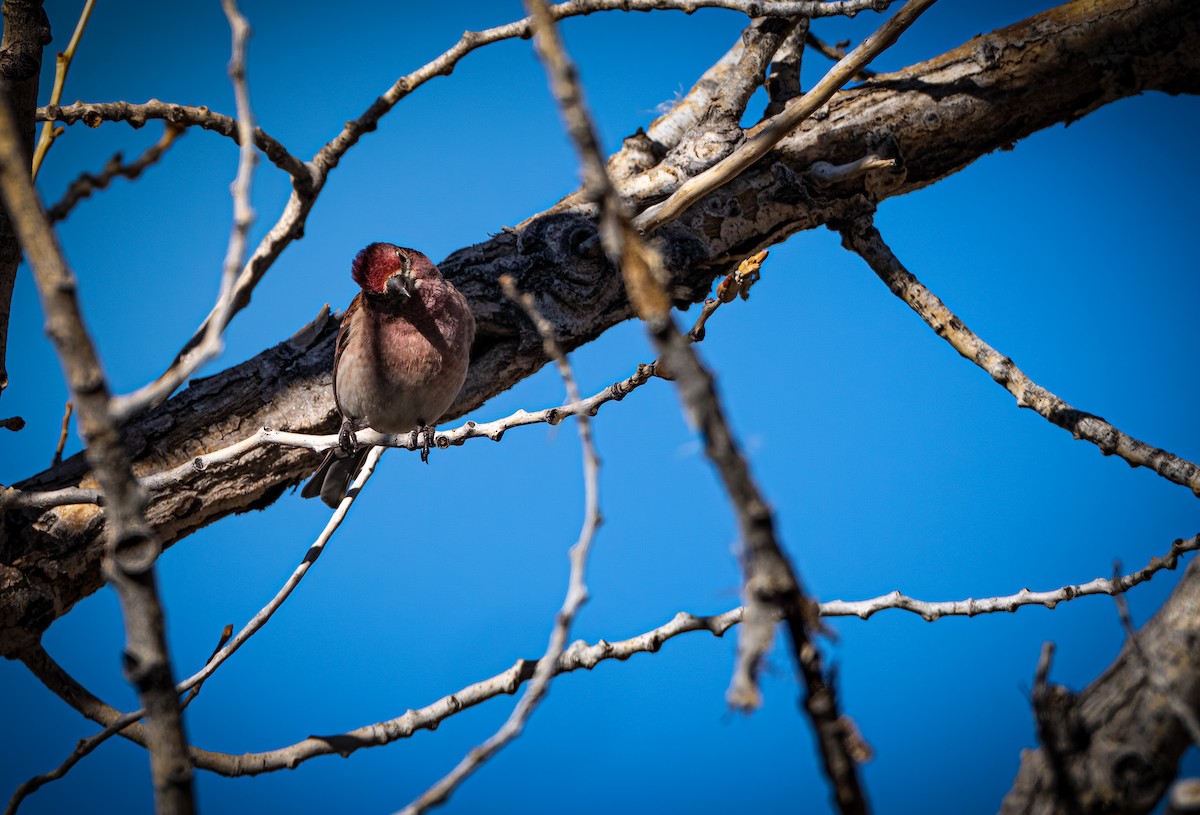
(892, 463)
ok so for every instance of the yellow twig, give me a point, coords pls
(62, 64)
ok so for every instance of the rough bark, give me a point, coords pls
(26, 31)
(1117, 744)
(935, 118)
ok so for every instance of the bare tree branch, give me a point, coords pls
(863, 238)
(93, 114)
(211, 345)
(1118, 743)
(42, 666)
(577, 593)
(62, 436)
(971, 607)
(761, 143)
(62, 67)
(132, 546)
(87, 183)
(770, 582)
(834, 52)
(783, 78)
(579, 655)
(942, 114)
(26, 32)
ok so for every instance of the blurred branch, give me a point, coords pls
(87, 183)
(864, 239)
(211, 344)
(761, 143)
(58, 681)
(770, 582)
(132, 547)
(62, 67)
(62, 436)
(835, 53)
(577, 593)
(26, 32)
(783, 76)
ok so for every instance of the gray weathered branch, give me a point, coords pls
(937, 118)
(1117, 744)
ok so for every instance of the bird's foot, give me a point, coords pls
(422, 439)
(346, 438)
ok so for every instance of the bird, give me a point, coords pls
(400, 358)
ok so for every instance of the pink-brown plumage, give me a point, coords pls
(401, 355)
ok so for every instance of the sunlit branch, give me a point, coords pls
(62, 67)
(864, 239)
(758, 145)
(578, 656)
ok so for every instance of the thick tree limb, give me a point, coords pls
(1118, 743)
(937, 117)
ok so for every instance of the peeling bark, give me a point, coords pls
(1118, 743)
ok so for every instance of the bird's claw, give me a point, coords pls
(422, 439)
(347, 440)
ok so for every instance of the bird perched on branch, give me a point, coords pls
(401, 358)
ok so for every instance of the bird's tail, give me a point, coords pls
(333, 477)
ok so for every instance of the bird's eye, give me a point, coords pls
(405, 262)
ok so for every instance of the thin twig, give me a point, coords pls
(578, 656)
(834, 52)
(62, 436)
(93, 114)
(781, 125)
(864, 239)
(131, 548)
(62, 66)
(211, 345)
(87, 183)
(970, 607)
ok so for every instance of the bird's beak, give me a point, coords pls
(400, 285)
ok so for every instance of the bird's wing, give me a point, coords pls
(343, 339)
